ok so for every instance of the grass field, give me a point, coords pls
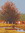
(2, 30)
(21, 26)
(22, 17)
(9, 31)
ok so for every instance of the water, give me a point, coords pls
(21, 30)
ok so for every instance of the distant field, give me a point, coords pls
(22, 17)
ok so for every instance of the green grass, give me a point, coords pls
(22, 17)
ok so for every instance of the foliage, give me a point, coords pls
(10, 12)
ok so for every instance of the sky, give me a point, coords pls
(20, 4)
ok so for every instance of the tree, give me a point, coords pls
(10, 12)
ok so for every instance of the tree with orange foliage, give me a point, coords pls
(10, 12)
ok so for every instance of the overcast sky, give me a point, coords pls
(20, 4)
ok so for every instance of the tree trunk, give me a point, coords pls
(13, 22)
(6, 22)
(10, 22)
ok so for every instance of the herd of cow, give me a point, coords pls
(17, 22)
